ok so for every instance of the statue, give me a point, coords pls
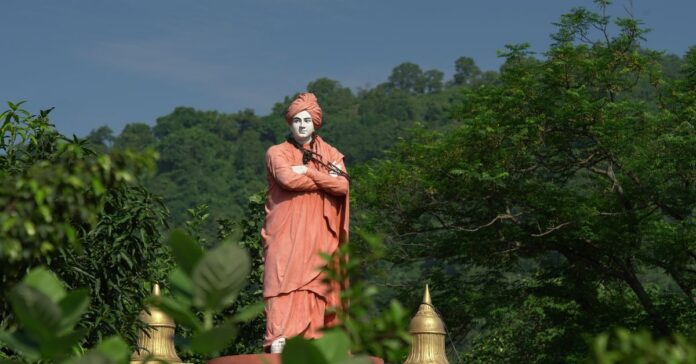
(306, 213)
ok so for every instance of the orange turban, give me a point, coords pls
(305, 101)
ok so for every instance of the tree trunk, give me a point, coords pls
(658, 321)
(628, 275)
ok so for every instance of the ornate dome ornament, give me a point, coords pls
(156, 342)
(428, 334)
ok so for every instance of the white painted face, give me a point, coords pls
(302, 127)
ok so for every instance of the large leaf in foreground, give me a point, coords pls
(72, 306)
(300, 350)
(112, 350)
(187, 253)
(214, 340)
(20, 343)
(178, 312)
(219, 276)
(334, 345)
(45, 281)
(36, 312)
(60, 347)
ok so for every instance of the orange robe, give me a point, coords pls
(305, 214)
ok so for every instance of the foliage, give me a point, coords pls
(81, 214)
(49, 180)
(209, 158)
(121, 257)
(247, 231)
(101, 139)
(382, 334)
(135, 136)
(250, 338)
(194, 226)
(624, 346)
(558, 207)
(409, 77)
(208, 281)
(215, 288)
(48, 315)
(332, 348)
(466, 71)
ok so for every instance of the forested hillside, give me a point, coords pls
(547, 202)
(212, 158)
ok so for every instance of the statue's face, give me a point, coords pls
(302, 126)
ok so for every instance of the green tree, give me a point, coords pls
(216, 160)
(466, 72)
(334, 98)
(83, 214)
(48, 314)
(433, 80)
(623, 346)
(101, 139)
(561, 203)
(136, 136)
(407, 77)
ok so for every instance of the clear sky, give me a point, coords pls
(110, 63)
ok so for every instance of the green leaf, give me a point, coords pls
(301, 350)
(114, 347)
(181, 286)
(249, 312)
(219, 276)
(46, 282)
(60, 347)
(187, 253)
(98, 186)
(214, 340)
(39, 316)
(111, 350)
(72, 306)
(334, 346)
(179, 313)
(20, 343)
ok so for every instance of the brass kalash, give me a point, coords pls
(156, 342)
(428, 335)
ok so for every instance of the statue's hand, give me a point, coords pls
(333, 173)
(299, 169)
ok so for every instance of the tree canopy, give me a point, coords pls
(560, 204)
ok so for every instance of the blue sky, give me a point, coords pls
(114, 62)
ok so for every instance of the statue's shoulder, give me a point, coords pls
(281, 148)
(333, 151)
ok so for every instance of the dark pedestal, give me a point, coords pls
(262, 359)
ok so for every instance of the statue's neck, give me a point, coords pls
(303, 141)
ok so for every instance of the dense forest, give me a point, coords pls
(207, 157)
(548, 204)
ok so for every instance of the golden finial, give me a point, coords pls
(156, 342)
(428, 334)
(426, 296)
(156, 290)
